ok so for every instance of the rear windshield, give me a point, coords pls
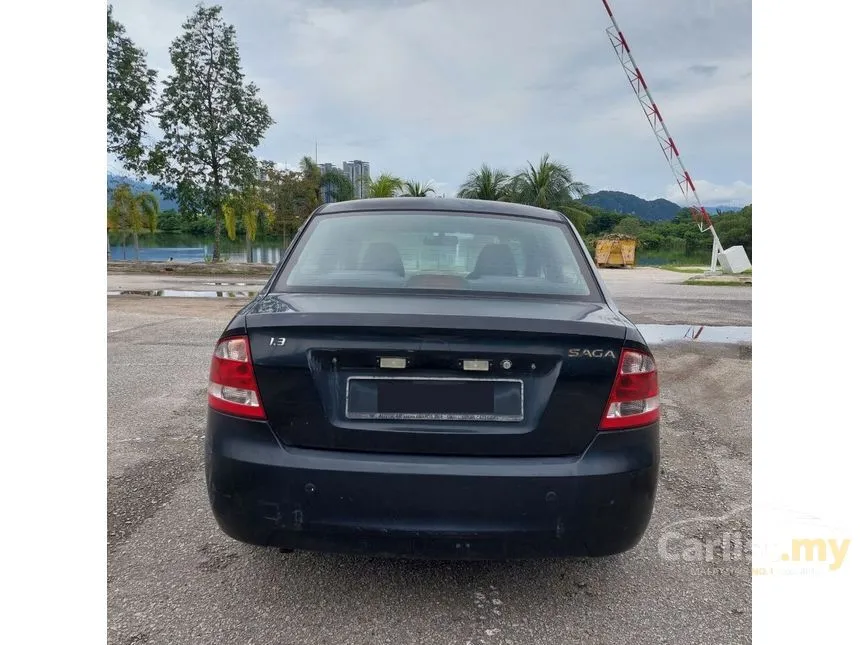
(438, 251)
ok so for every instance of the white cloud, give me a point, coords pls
(435, 88)
(442, 188)
(686, 107)
(282, 167)
(737, 193)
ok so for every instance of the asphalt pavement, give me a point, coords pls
(173, 577)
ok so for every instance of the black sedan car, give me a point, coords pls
(437, 378)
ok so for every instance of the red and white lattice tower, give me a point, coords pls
(667, 144)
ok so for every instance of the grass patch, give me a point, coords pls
(679, 268)
(718, 283)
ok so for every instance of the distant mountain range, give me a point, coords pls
(140, 187)
(650, 210)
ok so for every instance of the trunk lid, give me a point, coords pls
(550, 369)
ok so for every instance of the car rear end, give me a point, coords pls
(432, 422)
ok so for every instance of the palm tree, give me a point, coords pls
(386, 185)
(311, 173)
(248, 206)
(417, 189)
(322, 181)
(549, 185)
(149, 210)
(132, 213)
(578, 217)
(485, 183)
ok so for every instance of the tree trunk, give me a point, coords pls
(216, 246)
(136, 247)
(248, 255)
(108, 244)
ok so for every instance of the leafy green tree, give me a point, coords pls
(485, 183)
(130, 213)
(121, 209)
(198, 225)
(696, 242)
(291, 197)
(603, 222)
(735, 229)
(130, 92)
(417, 189)
(386, 185)
(629, 226)
(649, 238)
(550, 184)
(169, 221)
(211, 119)
(247, 207)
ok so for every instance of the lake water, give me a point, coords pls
(165, 247)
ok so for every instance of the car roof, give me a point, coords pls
(439, 204)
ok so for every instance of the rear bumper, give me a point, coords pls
(262, 493)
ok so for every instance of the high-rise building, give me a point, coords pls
(359, 173)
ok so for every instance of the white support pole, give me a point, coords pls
(716, 249)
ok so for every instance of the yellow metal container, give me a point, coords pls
(615, 252)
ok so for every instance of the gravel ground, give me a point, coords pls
(173, 577)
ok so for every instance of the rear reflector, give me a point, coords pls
(635, 397)
(232, 386)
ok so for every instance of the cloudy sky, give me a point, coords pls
(431, 89)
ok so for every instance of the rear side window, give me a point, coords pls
(457, 252)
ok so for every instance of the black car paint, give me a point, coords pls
(268, 494)
(328, 339)
(428, 500)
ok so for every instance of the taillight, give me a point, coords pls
(635, 397)
(232, 386)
